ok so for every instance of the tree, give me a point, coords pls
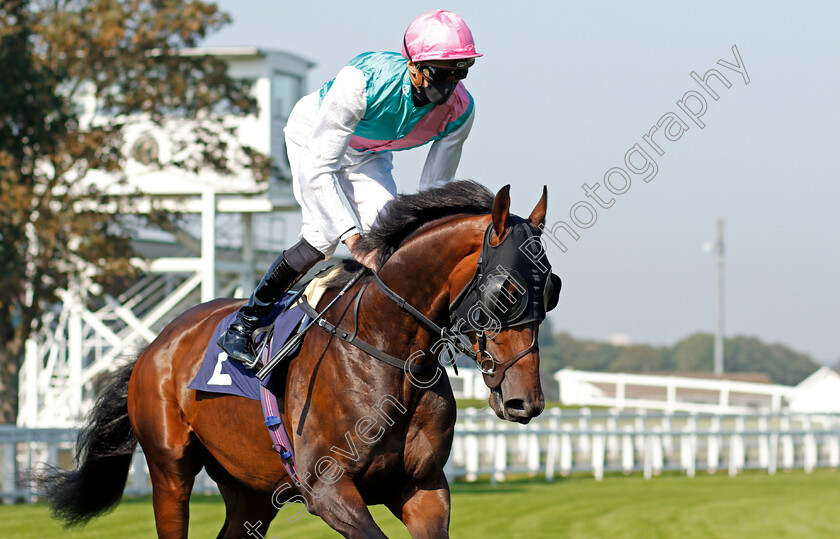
(125, 56)
(744, 354)
(695, 353)
(692, 354)
(566, 351)
(639, 358)
(783, 365)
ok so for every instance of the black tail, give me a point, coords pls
(103, 457)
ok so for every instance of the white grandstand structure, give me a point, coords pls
(693, 394)
(228, 224)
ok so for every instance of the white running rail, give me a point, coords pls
(560, 442)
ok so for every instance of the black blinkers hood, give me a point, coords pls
(513, 283)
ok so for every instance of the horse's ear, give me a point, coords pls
(501, 211)
(537, 216)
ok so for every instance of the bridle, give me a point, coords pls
(508, 252)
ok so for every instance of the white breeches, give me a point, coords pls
(366, 180)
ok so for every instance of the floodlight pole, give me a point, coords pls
(719, 253)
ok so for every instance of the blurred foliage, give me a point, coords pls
(122, 57)
(694, 354)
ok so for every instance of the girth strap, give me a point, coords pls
(353, 339)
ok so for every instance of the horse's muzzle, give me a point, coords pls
(522, 410)
(517, 409)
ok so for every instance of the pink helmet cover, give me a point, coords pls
(438, 35)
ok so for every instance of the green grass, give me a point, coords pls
(749, 505)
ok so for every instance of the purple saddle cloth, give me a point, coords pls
(220, 374)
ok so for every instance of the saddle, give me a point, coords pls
(219, 374)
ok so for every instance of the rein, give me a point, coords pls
(353, 339)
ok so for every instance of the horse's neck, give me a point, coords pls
(421, 270)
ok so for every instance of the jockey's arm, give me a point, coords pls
(444, 156)
(342, 108)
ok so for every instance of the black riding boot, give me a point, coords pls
(280, 277)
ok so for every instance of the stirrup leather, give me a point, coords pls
(259, 347)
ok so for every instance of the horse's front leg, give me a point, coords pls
(425, 510)
(341, 506)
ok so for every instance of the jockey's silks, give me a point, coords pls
(391, 120)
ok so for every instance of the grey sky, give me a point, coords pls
(564, 90)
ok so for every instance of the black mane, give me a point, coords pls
(406, 213)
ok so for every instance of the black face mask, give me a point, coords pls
(419, 97)
(439, 93)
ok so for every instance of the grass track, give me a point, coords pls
(750, 505)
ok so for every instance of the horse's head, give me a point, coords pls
(501, 306)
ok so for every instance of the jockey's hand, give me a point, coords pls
(366, 259)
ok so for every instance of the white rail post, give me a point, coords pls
(598, 452)
(667, 440)
(499, 453)
(139, 472)
(7, 471)
(627, 450)
(33, 452)
(733, 454)
(688, 449)
(456, 456)
(737, 452)
(810, 445)
(553, 449)
(471, 445)
(774, 452)
(658, 457)
(533, 450)
(787, 444)
(641, 426)
(713, 445)
(688, 446)
(648, 451)
(487, 455)
(833, 442)
(763, 443)
(584, 424)
(522, 448)
(613, 445)
(566, 451)
(52, 460)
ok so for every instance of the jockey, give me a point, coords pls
(339, 142)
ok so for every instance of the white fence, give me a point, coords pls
(558, 442)
(22, 449)
(573, 441)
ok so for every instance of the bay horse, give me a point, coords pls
(363, 432)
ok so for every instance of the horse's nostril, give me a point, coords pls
(515, 405)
